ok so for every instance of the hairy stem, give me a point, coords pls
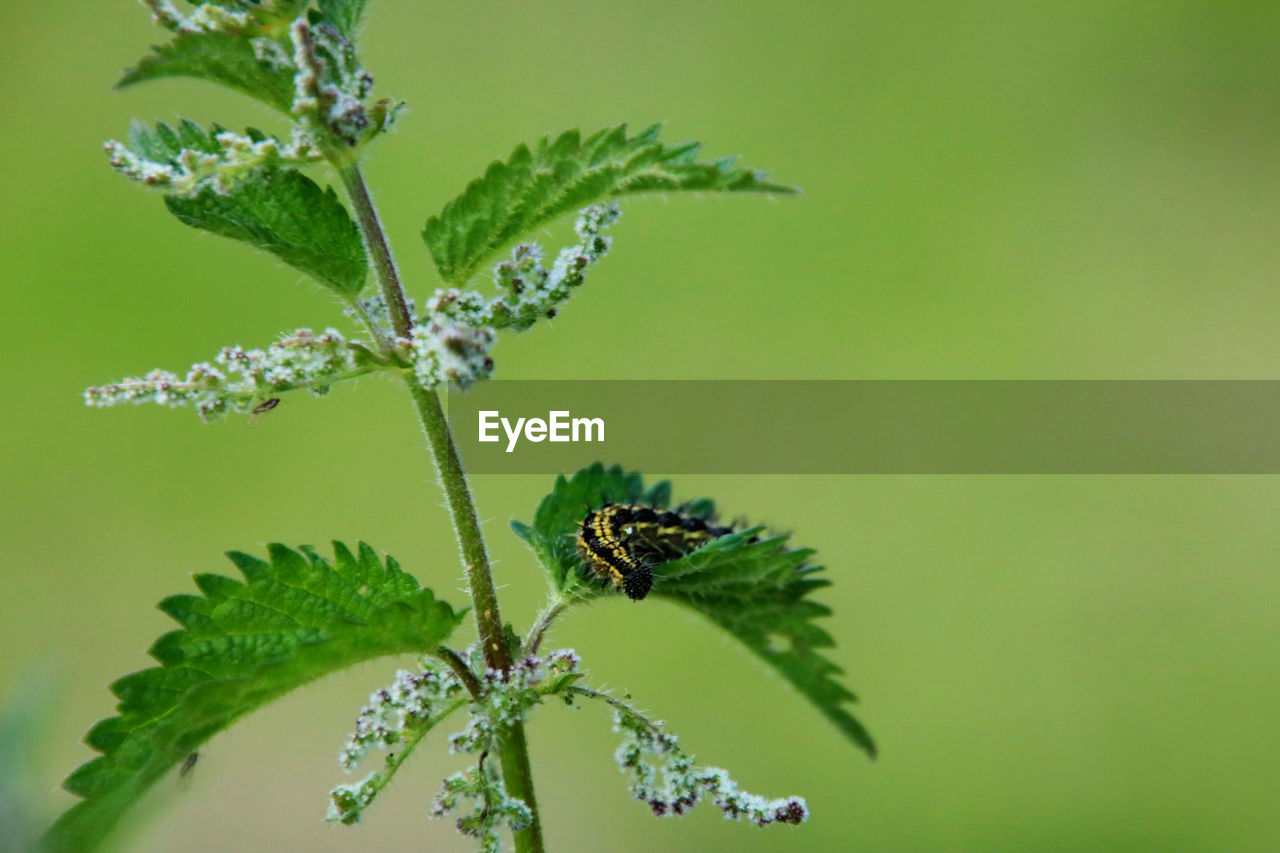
(375, 239)
(575, 690)
(460, 669)
(517, 777)
(416, 733)
(466, 525)
(539, 630)
(516, 773)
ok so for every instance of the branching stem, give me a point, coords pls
(514, 751)
(410, 743)
(617, 703)
(468, 678)
(375, 239)
(548, 615)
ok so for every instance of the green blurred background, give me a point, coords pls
(992, 190)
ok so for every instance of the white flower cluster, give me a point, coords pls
(492, 806)
(347, 802)
(417, 699)
(440, 350)
(529, 291)
(507, 695)
(330, 87)
(410, 700)
(242, 380)
(671, 784)
(451, 344)
(191, 170)
(204, 18)
(504, 700)
(449, 352)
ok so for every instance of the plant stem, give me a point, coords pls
(375, 239)
(617, 703)
(443, 450)
(410, 743)
(467, 527)
(468, 678)
(514, 750)
(548, 615)
(517, 777)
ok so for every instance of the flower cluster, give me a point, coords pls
(451, 343)
(242, 380)
(450, 352)
(331, 88)
(398, 715)
(187, 161)
(204, 18)
(348, 802)
(410, 700)
(504, 699)
(667, 779)
(506, 695)
(440, 350)
(528, 290)
(492, 806)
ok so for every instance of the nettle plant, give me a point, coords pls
(299, 614)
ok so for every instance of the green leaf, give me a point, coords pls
(345, 15)
(164, 144)
(287, 214)
(565, 174)
(221, 58)
(753, 586)
(243, 644)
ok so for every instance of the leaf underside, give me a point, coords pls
(243, 643)
(282, 211)
(220, 58)
(757, 591)
(556, 176)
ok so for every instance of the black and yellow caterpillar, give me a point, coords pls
(622, 542)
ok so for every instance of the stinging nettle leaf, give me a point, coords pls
(243, 644)
(750, 584)
(287, 214)
(163, 144)
(534, 186)
(219, 57)
(345, 15)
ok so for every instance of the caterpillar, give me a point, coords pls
(623, 542)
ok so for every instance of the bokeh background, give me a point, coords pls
(992, 190)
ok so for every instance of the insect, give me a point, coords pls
(184, 772)
(260, 411)
(265, 406)
(622, 542)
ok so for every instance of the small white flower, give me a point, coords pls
(239, 380)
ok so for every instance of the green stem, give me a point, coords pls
(468, 678)
(416, 733)
(574, 689)
(514, 750)
(375, 240)
(539, 630)
(467, 526)
(517, 777)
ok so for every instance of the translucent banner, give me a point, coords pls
(872, 427)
